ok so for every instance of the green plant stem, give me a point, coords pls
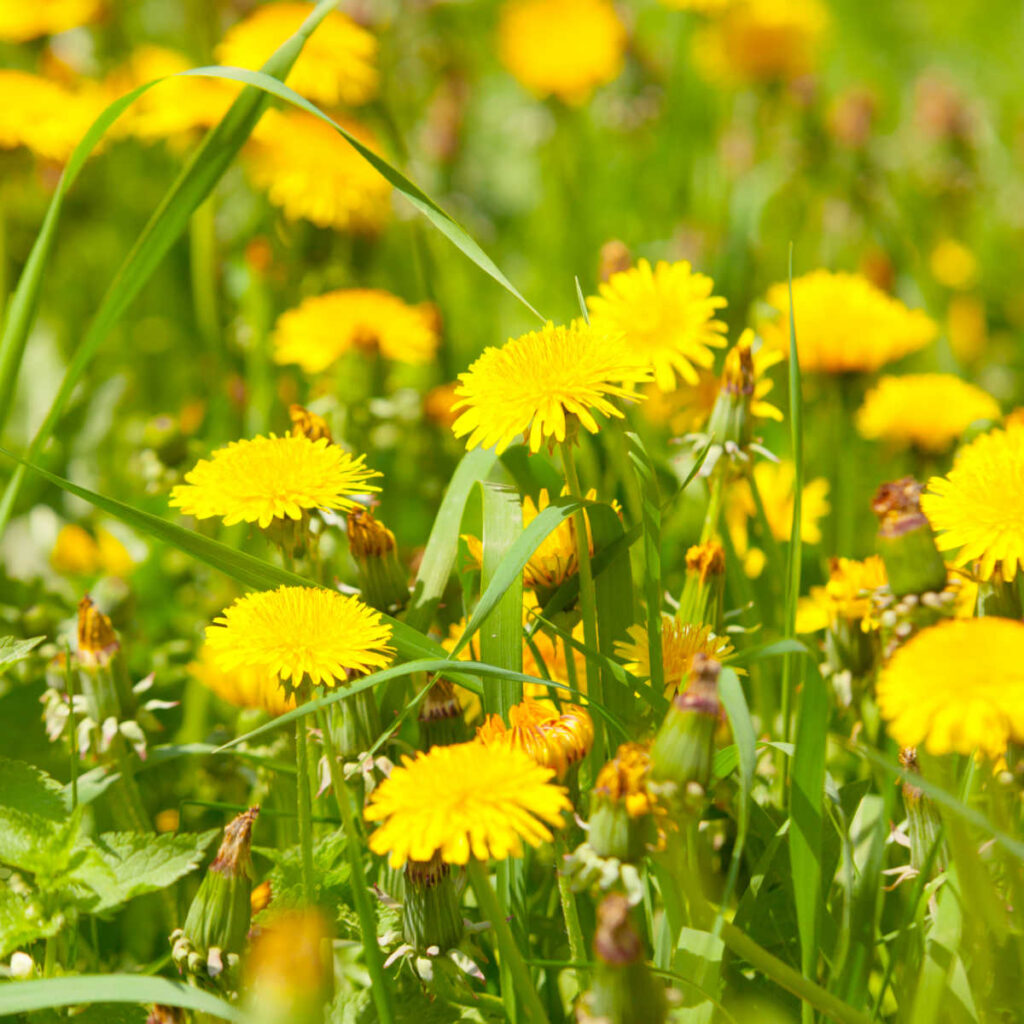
(520, 973)
(69, 687)
(304, 805)
(133, 803)
(380, 986)
(588, 594)
(716, 488)
(572, 918)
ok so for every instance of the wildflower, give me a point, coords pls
(967, 327)
(957, 686)
(245, 687)
(845, 598)
(431, 917)
(300, 633)
(666, 315)
(976, 506)
(926, 410)
(464, 800)
(437, 405)
(308, 424)
(561, 48)
(317, 333)
(77, 553)
(622, 806)
(681, 643)
(440, 716)
(272, 478)
(261, 896)
(614, 258)
(337, 65)
(845, 324)
(97, 641)
(384, 581)
(700, 6)
(553, 740)
(536, 382)
(924, 823)
(953, 264)
(685, 410)
(20, 22)
(312, 173)
(703, 598)
(906, 541)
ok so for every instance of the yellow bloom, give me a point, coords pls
(437, 404)
(844, 324)
(312, 173)
(77, 553)
(338, 64)
(926, 410)
(562, 48)
(745, 375)
(957, 686)
(554, 740)
(464, 800)
(624, 779)
(271, 478)
(758, 41)
(967, 327)
(953, 264)
(700, 6)
(324, 327)
(977, 506)
(21, 21)
(244, 687)
(847, 595)
(684, 410)
(295, 633)
(680, 641)
(666, 315)
(533, 383)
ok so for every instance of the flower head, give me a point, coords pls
(928, 411)
(554, 740)
(337, 65)
(977, 506)
(244, 687)
(300, 632)
(624, 779)
(846, 596)
(20, 22)
(464, 800)
(745, 375)
(533, 383)
(685, 410)
(666, 314)
(324, 327)
(76, 552)
(844, 324)
(271, 478)
(562, 48)
(957, 686)
(952, 264)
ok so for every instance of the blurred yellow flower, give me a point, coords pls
(561, 48)
(700, 6)
(967, 327)
(844, 324)
(953, 264)
(337, 65)
(684, 410)
(324, 327)
(535, 382)
(438, 402)
(312, 173)
(22, 20)
(245, 687)
(957, 687)
(926, 410)
(271, 478)
(624, 779)
(297, 633)
(666, 315)
(464, 800)
(745, 376)
(977, 506)
(847, 595)
(78, 554)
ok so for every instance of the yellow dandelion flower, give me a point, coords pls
(680, 641)
(464, 800)
(846, 596)
(562, 48)
(666, 314)
(928, 411)
(244, 687)
(76, 552)
(337, 66)
(624, 780)
(977, 506)
(957, 686)
(533, 383)
(438, 402)
(554, 740)
(324, 327)
(844, 324)
(297, 633)
(953, 264)
(21, 21)
(685, 410)
(271, 478)
(967, 327)
(312, 173)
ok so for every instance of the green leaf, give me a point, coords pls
(27, 996)
(31, 791)
(35, 844)
(12, 651)
(19, 927)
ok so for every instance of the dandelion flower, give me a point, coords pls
(76, 552)
(685, 410)
(533, 383)
(297, 633)
(746, 375)
(464, 800)
(967, 327)
(271, 478)
(625, 779)
(312, 173)
(700, 6)
(337, 65)
(245, 687)
(957, 686)
(844, 324)
(437, 404)
(666, 314)
(928, 411)
(846, 596)
(977, 506)
(562, 48)
(324, 327)
(952, 264)
(21, 21)
(554, 740)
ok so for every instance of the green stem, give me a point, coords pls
(716, 486)
(69, 686)
(50, 957)
(510, 954)
(304, 807)
(572, 918)
(380, 987)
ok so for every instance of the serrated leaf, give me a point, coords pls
(19, 926)
(29, 790)
(13, 650)
(35, 844)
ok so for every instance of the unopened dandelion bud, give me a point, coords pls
(104, 672)
(621, 806)
(999, 597)
(703, 598)
(218, 919)
(383, 578)
(97, 641)
(731, 423)
(905, 539)
(308, 424)
(624, 991)
(441, 721)
(925, 826)
(431, 916)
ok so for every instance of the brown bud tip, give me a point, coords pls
(908, 759)
(233, 856)
(615, 258)
(368, 538)
(701, 695)
(707, 559)
(97, 640)
(898, 505)
(166, 1015)
(441, 702)
(308, 424)
(738, 377)
(616, 941)
(426, 873)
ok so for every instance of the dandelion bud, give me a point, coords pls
(622, 807)
(905, 539)
(704, 591)
(923, 819)
(441, 721)
(431, 918)
(730, 423)
(623, 991)
(372, 545)
(614, 259)
(97, 641)
(308, 424)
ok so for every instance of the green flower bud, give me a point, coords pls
(923, 818)
(905, 540)
(384, 581)
(355, 723)
(431, 917)
(622, 808)
(441, 721)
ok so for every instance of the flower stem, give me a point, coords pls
(572, 919)
(303, 806)
(510, 954)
